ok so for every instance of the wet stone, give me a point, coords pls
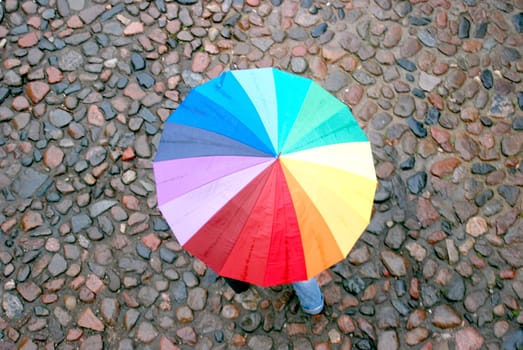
(517, 124)
(487, 79)
(396, 264)
(463, 28)
(143, 251)
(482, 168)
(354, 285)
(406, 64)
(432, 116)
(250, 322)
(137, 62)
(145, 80)
(417, 127)
(318, 30)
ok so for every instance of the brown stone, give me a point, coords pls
(188, 335)
(426, 212)
(31, 220)
(296, 329)
(73, 334)
(416, 318)
(445, 317)
(87, 319)
(441, 19)
(456, 78)
(354, 94)
(444, 167)
(29, 291)
(393, 35)
(472, 45)
(36, 91)
(152, 241)
(416, 336)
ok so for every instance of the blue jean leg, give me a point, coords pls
(310, 296)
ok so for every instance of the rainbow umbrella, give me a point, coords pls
(264, 176)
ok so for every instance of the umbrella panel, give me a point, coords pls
(268, 250)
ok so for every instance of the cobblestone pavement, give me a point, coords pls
(86, 259)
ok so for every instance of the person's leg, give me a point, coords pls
(310, 296)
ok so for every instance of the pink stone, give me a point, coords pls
(133, 28)
(152, 241)
(53, 156)
(54, 75)
(95, 116)
(468, 339)
(29, 39)
(201, 61)
(88, 319)
(20, 103)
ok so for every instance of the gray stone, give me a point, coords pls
(12, 306)
(197, 299)
(100, 207)
(57, 265)
(90, 13)
(70, 60)
(147, 296)
(60, 118)
(363, 77)
(405, 106)
(250, 322)
(298, 64)
(260, 342)
(427, 38)
(27, 182)
(80, 222)
(428, 82)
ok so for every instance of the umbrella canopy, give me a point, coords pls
(265, 176)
